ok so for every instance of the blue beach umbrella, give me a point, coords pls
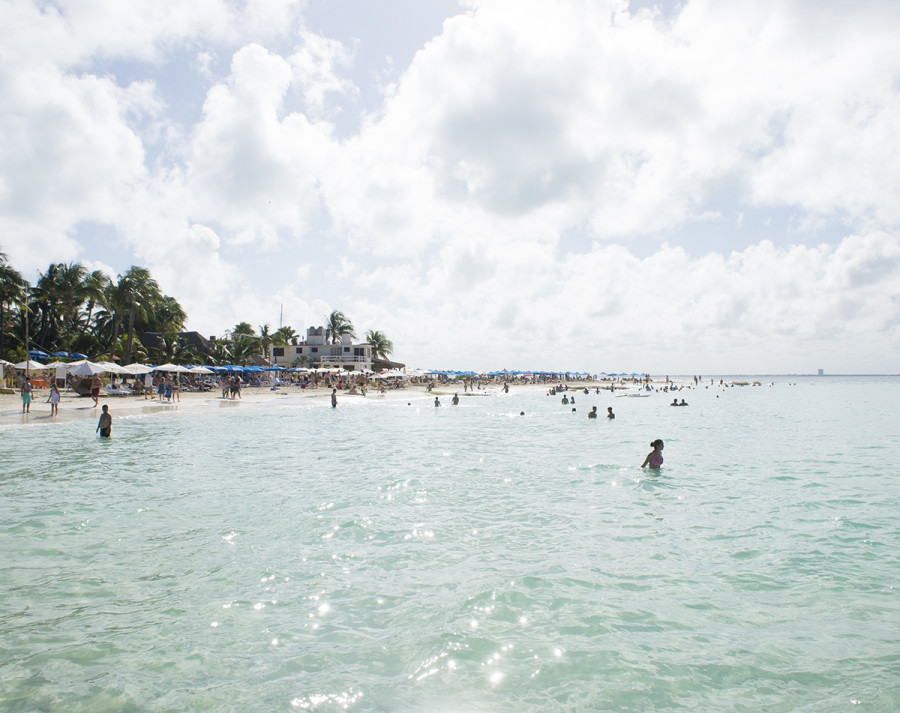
(61, 355)
(77, 355)
(37, 354)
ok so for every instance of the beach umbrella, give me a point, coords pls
(274, 368)
(37, 354)
(137, 369)
(172, 368)
(77, 355)
(201, 370)
(30, 365)
(85, 368)
(112, 368)
(56, 364)
(61, 355)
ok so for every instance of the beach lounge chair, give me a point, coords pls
(118, 391)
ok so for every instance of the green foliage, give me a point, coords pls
(382, 347)
(337, 326)
(284, 335)
(242, 329)
(70, 309)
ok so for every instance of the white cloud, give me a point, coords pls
(446, 219)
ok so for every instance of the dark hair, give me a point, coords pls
(657, 442)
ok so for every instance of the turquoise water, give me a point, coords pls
(393, 557)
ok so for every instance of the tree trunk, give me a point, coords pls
(130, 337)
(115, 335)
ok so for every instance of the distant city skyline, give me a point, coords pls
(683, 188)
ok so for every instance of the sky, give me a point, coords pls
(688, 187)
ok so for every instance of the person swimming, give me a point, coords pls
(655, 457)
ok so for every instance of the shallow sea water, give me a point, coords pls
(393, 557)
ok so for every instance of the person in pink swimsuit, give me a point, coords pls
(654, 458)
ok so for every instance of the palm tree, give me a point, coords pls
(166, 315)
(69, 287)
(47, 307)
(94, 286)
(243, 348)
(12, 292)
(135, 294)
(338, 326)
(284, 335)
(219, 353)
(382, 347)
(265, 340)
(174, 349)
(243, 328)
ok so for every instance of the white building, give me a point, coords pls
(319, 354)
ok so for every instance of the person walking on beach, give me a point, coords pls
(655, 457)
(334, 398)
(104, 425)
(54, 399)
(26, 396)
(96, 383)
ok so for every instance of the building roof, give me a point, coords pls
(151, 340)
(382, 364)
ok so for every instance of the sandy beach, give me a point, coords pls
(73, 407)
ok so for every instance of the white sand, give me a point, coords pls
(73, 407)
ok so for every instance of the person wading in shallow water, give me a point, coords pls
(334, 398)
(655, 457)
(104, 425)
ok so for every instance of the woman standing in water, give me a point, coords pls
(655, 457)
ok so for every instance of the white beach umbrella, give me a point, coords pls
(137, 369)
(56, 365)
(31, 365)
(172, 368)
(112, 367)
(85, 368)
(201, 370)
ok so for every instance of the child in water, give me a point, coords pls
(655, 457)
